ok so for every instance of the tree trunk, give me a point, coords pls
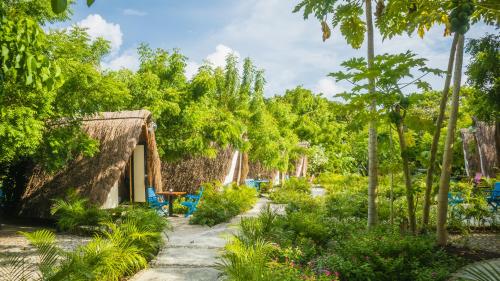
(437, 134)
(497, 141)
(240, 166)
(406, 173)
(391, 206)
(444, 182)
(372, 138)
(244, 168)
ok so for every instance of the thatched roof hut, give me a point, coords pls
(127, 161)
(189, 173)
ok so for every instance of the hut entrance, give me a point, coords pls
(138, 174)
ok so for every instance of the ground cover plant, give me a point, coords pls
(221, 203)
(74, 211)
(122, 245)
(292, 188)
(325, 238)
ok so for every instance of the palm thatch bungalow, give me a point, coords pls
(127, 162)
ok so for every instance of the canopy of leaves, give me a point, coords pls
(484, 74)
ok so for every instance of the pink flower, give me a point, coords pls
(328, 273)
(337, 274)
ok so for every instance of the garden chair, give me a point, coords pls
(494, 197)
(455, 199)
(192, 202)
(156, 202)
(252, 183)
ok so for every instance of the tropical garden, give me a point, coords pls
(387, 152)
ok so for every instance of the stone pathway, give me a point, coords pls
(191, 250)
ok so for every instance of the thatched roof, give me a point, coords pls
(189, 173)
(118, 134)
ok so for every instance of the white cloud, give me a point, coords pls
(99, 27)
(127, 59)
(132, 12)
(291, 50)
(191, 69)
(218, 58)
(328, 88)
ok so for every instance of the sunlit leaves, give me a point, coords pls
(22, 42)
(345, 14)
(353, 28)
(59, 6)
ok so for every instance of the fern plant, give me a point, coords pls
(75, 211)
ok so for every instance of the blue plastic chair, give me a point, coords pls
(454, 200)
(252, 183)
(156, 202)
(494, 198)
(192, 202)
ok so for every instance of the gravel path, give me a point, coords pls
(13, 243)
(191, 251)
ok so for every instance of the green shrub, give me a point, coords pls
(219, 204)
(124, 249)
(74, 211)
(292, 190)
(384, 254)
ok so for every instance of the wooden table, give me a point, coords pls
(171, 197)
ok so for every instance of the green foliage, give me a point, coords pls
(219, 204)
(320, 238)
(483, 72)
(485, 270)
(346, 14)
(120, 251)
(292, 190)
(27, 77)
(387, 255)
(75, 211)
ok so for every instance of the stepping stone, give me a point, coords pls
(203, 257)
(178, 274)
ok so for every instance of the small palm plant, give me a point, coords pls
(75, 211)
(480, 271)
(19, 268)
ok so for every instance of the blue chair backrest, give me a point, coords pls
(200, 193)
(151, 195)
(496, 189)
(251, 183)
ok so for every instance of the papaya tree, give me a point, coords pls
(348, 16)
(391, 73)
(395, 17)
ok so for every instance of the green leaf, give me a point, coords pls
(90, 2)
(59, 6)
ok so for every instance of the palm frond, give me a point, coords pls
(480, 271)
(16, 267)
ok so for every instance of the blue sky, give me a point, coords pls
(289, 49)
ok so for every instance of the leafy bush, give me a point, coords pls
(219, 204)
(384, 254)
(75, 211)
(129, 242)
(326, 238)
(292, 190)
